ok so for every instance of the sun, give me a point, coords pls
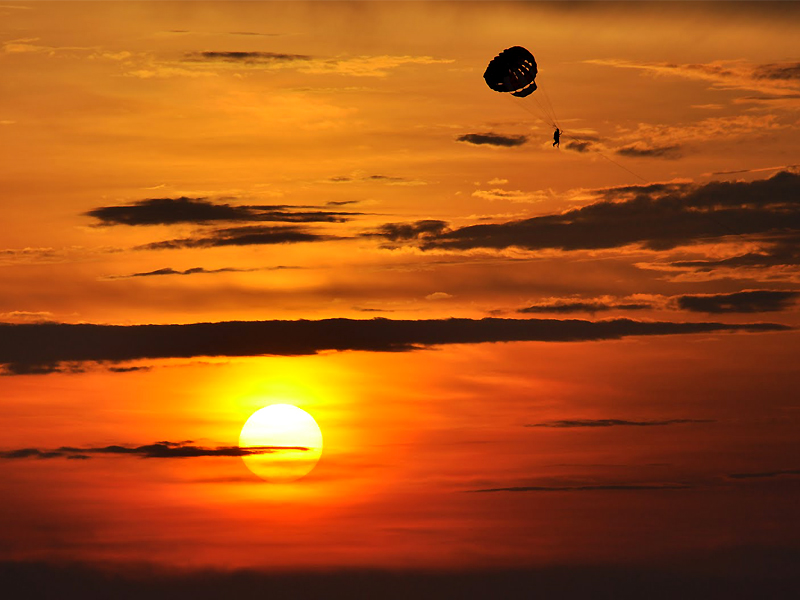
(285, 440)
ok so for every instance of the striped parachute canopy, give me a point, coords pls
(514, 71)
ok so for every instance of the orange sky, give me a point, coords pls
(177, 163)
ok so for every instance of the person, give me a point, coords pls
(556, 136)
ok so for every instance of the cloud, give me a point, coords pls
(417, 230)
(27, 315)
(196, 271)
(155, 450)
(615, 423)
(245, 57)
(765, 474)
(492, 139)
(620, 487)
(438, 296)
(169, 211)
(360, 178)
(740, 75)
(750, 301)
(241, 236)
(781, 71)
(567, 306)
(744, 571)
(641, 150)
(24, 348)
(656, 216)
(579, 146)
(510, 195)
(354, 66)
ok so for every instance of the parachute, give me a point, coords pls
(513, 73)
(513, 70)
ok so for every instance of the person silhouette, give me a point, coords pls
(556, 137)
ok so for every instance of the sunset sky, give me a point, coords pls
(522, 359)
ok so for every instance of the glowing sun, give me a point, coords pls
(286, 442)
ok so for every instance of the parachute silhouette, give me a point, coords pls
(513, 71)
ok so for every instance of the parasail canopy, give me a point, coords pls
(512, 71)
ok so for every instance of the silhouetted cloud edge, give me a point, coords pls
(155, 450)
(39, 348)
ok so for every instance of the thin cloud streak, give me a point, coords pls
(171, 211)
(154, 450)
(563, 424)
(621, 487)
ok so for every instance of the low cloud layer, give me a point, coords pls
(170, 211)
(656, 217)
(590, 306)
(615, 423)
(492, 139)
(245, 57)
(154, 450)
(751, 301)
(643, 151)
(241, 236)
(196, 271)
(621, 487)
(47, 347)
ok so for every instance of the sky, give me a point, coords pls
(529, 363)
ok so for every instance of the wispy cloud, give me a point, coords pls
(573, 423)
(766, 474)
(245, 57)
(196, 271)
(619, 487)
(769, 78)
(155, 450)
(354, 66)
(242, 236)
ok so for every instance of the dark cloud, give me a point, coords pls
(615, 423)
(388, 179)
(621, 487)
(765, 474)
(777, 71)
(417, 230)
(752, 301)
(242, 236)
(196, 271)
(41, 368)
(736, 573)
(170, 211)
(23, 347)
(492, 139)
(579, 145)
(253, 33)
(776, 250)
(639, 150)
(245, 57)
(656, 216)
(565, 307)
(155, 450)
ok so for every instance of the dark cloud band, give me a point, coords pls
(615, 423)
(492, 139)
(43, 347)
(155, 450)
